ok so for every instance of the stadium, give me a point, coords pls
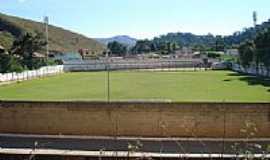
(178, 95)
(143, 109)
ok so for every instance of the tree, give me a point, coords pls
(199, 48)
(144, 46)
(9, 63)
(220, 44)
(262, 43)
(247, 51)
(26, 46)
(174, 46)
(169, 47)
(153, 47)
(117, 48)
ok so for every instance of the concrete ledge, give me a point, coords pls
(121, 154)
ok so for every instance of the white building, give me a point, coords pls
(232, 52)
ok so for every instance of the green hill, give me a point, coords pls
(59, 39)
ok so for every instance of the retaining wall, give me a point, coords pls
(135, 119)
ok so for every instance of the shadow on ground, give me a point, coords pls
(251, 80)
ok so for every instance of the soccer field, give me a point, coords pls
(201, 86)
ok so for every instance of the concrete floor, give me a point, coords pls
(153, 145)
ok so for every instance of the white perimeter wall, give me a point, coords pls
(27, 75)
(262, 71)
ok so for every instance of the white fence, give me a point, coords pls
(27, 75)
(262, 71)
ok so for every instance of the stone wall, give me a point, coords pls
(135, 119)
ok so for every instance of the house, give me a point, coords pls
(86, 53)
(232, 52)
(185, 52)
(38, 55)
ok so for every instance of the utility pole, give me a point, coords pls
(46, 23)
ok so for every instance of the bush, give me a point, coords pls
(16, 67)
(58, 62)
(229, 58)
(36, 63)
(213, 55)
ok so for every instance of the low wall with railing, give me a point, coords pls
(213, 120)
(27, 75)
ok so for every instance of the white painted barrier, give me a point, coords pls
(262, 71)
(27, 75)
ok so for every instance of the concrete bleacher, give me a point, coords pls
(98, 65)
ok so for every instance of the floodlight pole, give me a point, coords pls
(108, 76)
(255, 18)
(46, 21)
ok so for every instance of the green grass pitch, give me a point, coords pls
(201, 86)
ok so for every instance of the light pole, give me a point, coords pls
(255, 18)
(108, 75)
(46, 22)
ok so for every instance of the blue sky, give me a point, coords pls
(142, 18)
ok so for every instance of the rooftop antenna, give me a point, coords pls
(46, 23)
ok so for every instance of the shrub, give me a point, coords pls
(213, 55)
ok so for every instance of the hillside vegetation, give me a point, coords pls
(59, 39)
(210, 41)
